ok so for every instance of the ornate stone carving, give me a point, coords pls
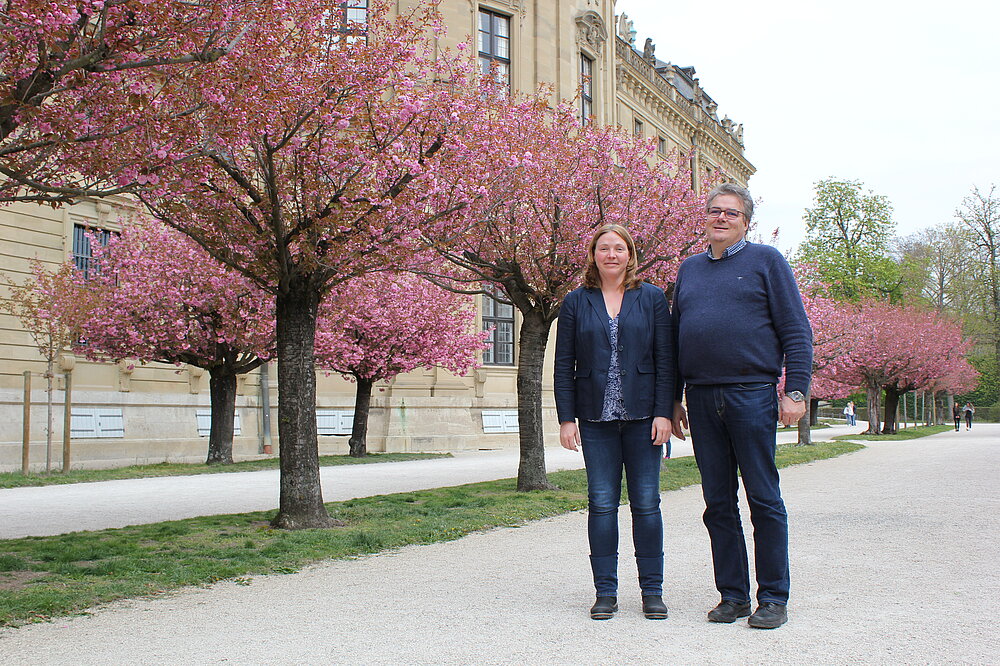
(648, 51)
(625, 29)
(591, 32)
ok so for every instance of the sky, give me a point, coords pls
(901, 95)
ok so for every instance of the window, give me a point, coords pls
(500, 420)
(96, 423)
(494, 46)
(83, 254)
(498, 319)
(637, 127)
(661, 147)
(586, 89)
(334, 421)
(348, 21)
(204, 417)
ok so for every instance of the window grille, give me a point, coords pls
(498, 320)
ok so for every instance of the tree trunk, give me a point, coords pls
(222, 389)
(301, 498)
(891, 405)
(49, 390)
(873, 404)
(531, 352)
(362, 407)
(805, 424)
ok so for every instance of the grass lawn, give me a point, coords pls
(44, 577)
(908, 433)
(17, 480)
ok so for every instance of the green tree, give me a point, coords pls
(848, 234)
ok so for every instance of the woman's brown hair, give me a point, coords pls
(591, 275)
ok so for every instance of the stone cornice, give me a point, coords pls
(657, 92)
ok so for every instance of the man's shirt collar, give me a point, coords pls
(729, 251)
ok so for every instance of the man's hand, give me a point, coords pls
(569, 436)
(680, 420)
(789, 411)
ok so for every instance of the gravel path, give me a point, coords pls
(42, 511)
(894, 560)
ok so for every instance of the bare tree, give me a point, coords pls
(980, 213)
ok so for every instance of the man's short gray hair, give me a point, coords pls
(734, 189)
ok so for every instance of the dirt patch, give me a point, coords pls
(11, 581)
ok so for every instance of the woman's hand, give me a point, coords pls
(569, 436)
(661, 430)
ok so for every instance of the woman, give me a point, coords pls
(956, 413)
(969, 411)
(614, 373)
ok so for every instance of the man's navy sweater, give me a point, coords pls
(739, 318)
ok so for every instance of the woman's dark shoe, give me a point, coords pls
(654, 608)
(728, 611)
(768, 615)
(604, 608)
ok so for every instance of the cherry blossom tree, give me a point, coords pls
(48, 304)
(158, 296)
(62, 65)
(375, 327)
(547, 184)
(937, 360)
(304, 158)
(897, 349)
(832, 325)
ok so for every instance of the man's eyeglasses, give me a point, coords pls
(728, 213)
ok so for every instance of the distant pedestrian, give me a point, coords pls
(956, 413)
(614, 374)
(969, 411)
(850, 414)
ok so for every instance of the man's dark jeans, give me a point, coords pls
(608, 447)
(733, 427)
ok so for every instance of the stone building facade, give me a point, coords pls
(126, 413)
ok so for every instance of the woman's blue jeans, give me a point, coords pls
(608, 447)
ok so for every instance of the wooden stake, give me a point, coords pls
(26, 440)
(67, 419)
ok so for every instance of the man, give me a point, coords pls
(739, 319)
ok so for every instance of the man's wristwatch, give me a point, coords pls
(796, 396)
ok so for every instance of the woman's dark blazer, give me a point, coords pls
(583, 354)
